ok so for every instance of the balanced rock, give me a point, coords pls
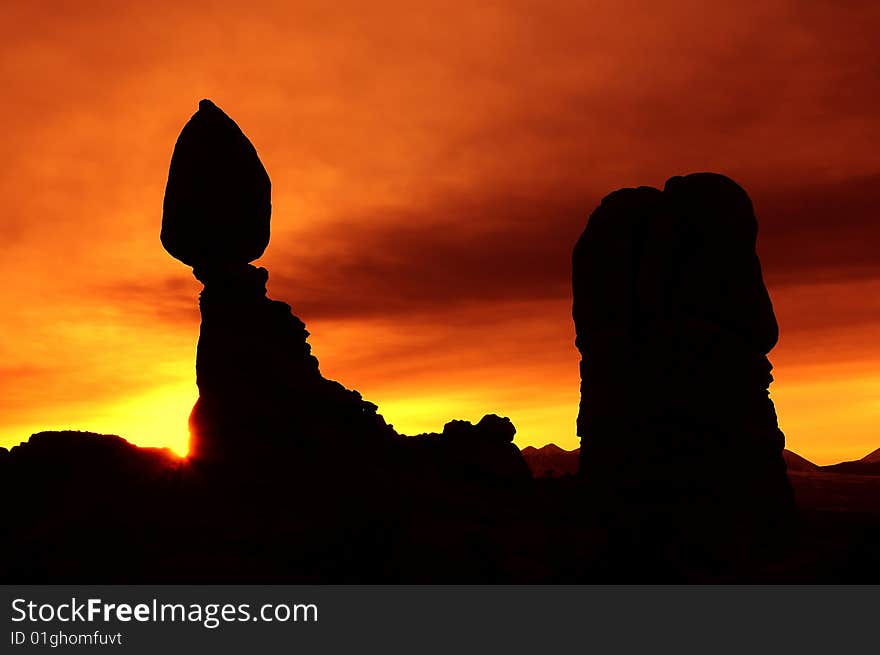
(262, 397)
(260, 389)
(217, 200)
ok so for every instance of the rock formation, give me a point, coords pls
(87, 457)
(673, 324)
(261, 393)
(260, 388)
(476, 452)
(217, 200)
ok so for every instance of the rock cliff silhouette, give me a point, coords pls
(484, 451)
(261, 393)
(674, 324)
(293, 478)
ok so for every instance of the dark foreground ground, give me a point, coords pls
(111, 517)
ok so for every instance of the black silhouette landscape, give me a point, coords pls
(553, 461)
(292, 477)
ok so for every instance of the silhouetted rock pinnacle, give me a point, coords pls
(261, 393)
(260, 389)
(217, 201)
(673, 324)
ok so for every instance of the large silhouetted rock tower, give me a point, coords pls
(261, 393)
(674, 324)
(260, 389)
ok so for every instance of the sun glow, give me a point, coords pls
(426, 196)
(824, 412)
(157, 418)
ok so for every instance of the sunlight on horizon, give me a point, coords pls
(820, 417)
(157, 419)
(535, 425)
(824, 417)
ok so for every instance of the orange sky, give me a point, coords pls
(432, 166)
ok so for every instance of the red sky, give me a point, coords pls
(432, 165)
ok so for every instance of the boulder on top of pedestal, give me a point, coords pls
(217, 200)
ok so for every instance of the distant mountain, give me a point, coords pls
(867, 465)
(871, 457)
(551, 460)
(795, 462)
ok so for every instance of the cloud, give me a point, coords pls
(466, 252)
(169, 300)
(501, 247)
(820, 232)
(431, 169)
